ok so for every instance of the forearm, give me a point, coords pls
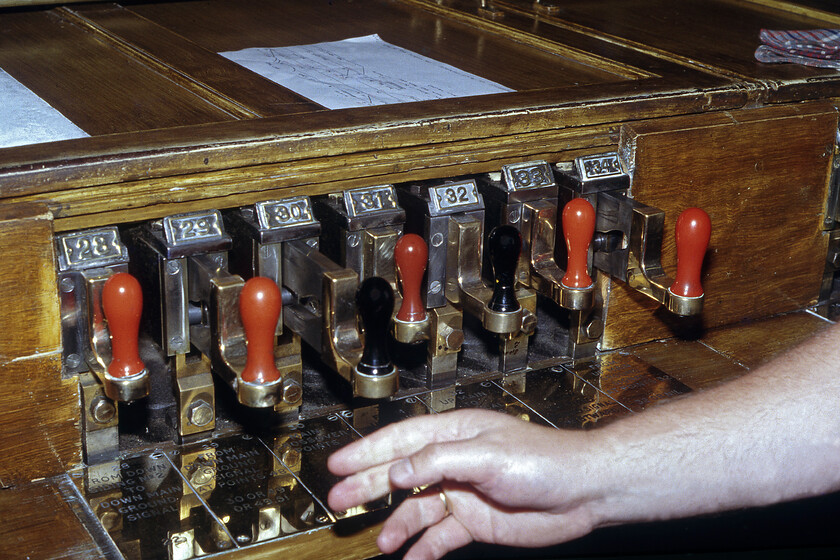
(771, 436)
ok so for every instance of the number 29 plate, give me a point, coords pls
(184, 229)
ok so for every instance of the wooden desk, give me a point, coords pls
(175, 128)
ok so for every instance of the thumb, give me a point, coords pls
(459, 461)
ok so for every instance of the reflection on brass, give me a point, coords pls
(313, 441)
(124, 389)
(644, 263)
(563, 399)
(142, 503)
(548, 7)
(194, 386)
(368, 419)
(628, 380)
(539, 227)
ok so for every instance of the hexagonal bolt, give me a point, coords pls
(594, 329)
(200, 413)
(452, 338)
(290, 457)
(102, 410)
(529, 323)
(292, 391)
(202, 476)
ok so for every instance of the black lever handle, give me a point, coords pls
(504, 244)
(375, 301)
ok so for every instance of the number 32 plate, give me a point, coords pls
(459, 197)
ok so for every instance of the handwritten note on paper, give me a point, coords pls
(25, 118)
(361, 72)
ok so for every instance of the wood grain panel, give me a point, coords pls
(38, 524)
(219, 26)
(719, 35)
(90, 82)
(755, 342)
(185, 61)
(39, 419)
(226, 146)
(689, 361)
(762, 177)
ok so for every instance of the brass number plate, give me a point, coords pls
(190, 228)
(276, 214)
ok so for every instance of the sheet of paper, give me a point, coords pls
(25, 118)
(361, 72)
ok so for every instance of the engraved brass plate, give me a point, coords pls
(249, 488)
(487, 395)
(369, 200)
(599, 166)
(455, 197)
(629, 380)
(368, 419)
(149, 509)
(565, 400)
(289, 212)
(527, 175)
(185, 229)
(90, 248)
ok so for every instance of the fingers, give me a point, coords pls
(440, 539)
(461, 461)
(412, 516)
(360, 488)
(399, 440)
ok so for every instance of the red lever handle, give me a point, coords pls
(578, 228)
(410, 257)
(122, 302)
(260, 304)
(693, 231)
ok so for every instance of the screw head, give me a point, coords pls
(200, 413)
(173, 267)
(292, 391)
(290, 457)
(102, 410)
(203, 476)
(66, 285)
(595, 328)
(73, 361)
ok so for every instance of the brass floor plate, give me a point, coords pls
(241, 490)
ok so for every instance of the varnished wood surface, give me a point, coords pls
(38, 524)
(690, 361)
(239, 91)
(93, 84)
(39, 416)
(720, 35)
(219, 26)
(765, 194)
(753, 343)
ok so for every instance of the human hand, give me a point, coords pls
(505, 481)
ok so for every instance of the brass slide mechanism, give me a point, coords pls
(628, 242)
(449, 216)
(320, 293)
(87, 260)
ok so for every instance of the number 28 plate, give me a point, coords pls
(455, 197)
(96, 247)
